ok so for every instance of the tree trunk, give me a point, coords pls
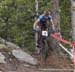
(36, 6)
(56, 20)
(55, 13)
(73, 18)
(36, 9)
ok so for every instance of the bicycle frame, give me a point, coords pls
(44, 33)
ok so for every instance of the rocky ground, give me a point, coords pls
(12, 64)
(53, 62)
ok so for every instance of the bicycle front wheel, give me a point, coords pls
(44, 49)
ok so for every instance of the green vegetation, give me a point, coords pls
(17, 17)
(65, 16)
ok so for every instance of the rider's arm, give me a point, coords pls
(35, 23)
(53, 27)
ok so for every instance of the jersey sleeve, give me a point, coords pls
(49, 17)
(40, 17)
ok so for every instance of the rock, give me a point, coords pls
(2, 46)
(9, 44)
(12, 45)
(26, 65)
(2, 40)
(2, 58)
(23, 56)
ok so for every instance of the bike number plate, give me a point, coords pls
(44, 33)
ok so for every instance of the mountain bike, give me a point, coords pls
(44, 36)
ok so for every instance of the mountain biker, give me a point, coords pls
(41, 21)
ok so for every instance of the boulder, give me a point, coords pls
(2, 58)
(2, 46)
(23, 56)
(12, 45)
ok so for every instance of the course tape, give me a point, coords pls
(54, 35)
(72, 44)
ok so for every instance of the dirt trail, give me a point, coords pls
(55, 61)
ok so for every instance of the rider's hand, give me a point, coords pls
(53, 31)
(37, 28)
